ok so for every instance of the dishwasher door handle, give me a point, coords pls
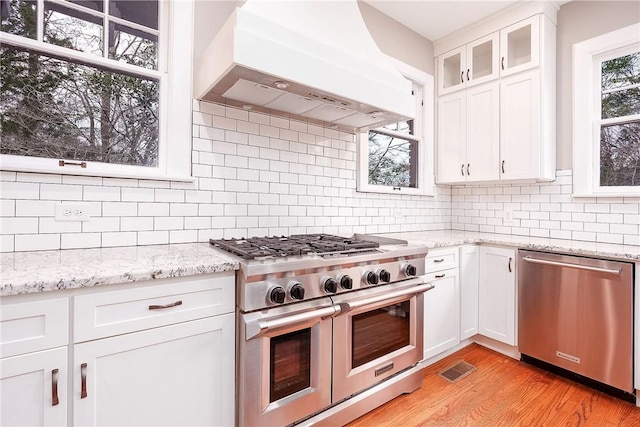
(566, 264)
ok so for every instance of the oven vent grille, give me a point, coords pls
(456, 371)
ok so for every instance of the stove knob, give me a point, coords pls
(330, 285)
(346, 282)
(384, 275)
(297, 291)
(277, 295)
(370, 277)
(409, 270)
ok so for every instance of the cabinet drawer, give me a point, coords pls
(33, 326)
(440, 275)
(441, 259)
(104, 314)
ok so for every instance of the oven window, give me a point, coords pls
(379, 332)
(290, 364)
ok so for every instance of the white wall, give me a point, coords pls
(255, 175)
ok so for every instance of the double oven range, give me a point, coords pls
(328, 327)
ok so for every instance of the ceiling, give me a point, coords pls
(434, 19)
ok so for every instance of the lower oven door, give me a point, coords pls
(284, 360)
(377, 334)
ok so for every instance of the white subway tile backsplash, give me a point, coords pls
(137, 194)
(168, 223)
(7, 243)
(50, 225)
(124, 238)
(136, 223)
(101, 224)
(23, 190)
(8, 207)
(169, 195)
(153, 237)
(36, 208)
(119, 209)
(80, 240)
(39, 177)
(12, 225)
(36, 242)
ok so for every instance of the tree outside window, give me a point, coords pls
(620, 121)
(87, 109)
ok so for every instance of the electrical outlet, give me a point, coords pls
(398, 213)
(508, 216)
(72, 211)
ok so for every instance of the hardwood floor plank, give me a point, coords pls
(500, 392)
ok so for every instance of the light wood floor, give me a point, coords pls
(500, 392)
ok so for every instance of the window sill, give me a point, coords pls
(616, 194)
(49, 166)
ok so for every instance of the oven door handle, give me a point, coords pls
(261, 326)
(346, 307)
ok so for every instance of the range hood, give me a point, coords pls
(309, 60)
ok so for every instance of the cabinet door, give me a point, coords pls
(181, 374)
(468, 291)
(497, 294)
(451, 70)
(520, 126)
(520, 46)
(482, 60)
(452, 137)
(29, 386)
(442, 313)
(483, 132)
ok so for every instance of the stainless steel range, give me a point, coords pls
(328, 327)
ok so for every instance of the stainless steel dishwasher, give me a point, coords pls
(576, 313)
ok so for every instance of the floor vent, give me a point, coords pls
(459, 370)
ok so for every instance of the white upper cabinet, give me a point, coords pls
(472, 64)
(520, 46)
(496, 99)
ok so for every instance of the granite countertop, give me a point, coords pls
(444, 238)
(40, 271)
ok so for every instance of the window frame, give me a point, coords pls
(587, 88)
(423, 135)
(174, 75)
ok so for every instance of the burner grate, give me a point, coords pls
(295, 245)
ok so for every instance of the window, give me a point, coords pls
(86, 87)
(606, 129)
(398, 158)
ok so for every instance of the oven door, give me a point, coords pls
(377, 334)
(284, 357)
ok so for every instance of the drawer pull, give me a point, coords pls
(439, 260)
(54, 388)
(163, 306)
(440, 276)
(83, 381)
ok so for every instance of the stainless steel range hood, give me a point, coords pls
(312, 60)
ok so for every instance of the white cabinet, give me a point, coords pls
(33, 362)
(474, 63)
(520, 46)
(468, 127)
(442, 304)
(180, 374)
(497, 294)
(499, 124)
(468, 291)
(162, 354)
(33, 388)
(156, 355)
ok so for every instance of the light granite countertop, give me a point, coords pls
(40, 271)
(444, 238)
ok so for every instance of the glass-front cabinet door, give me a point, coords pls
(520, 46)
(451, 70)
(482, 59)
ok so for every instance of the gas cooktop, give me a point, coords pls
(294, 245)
